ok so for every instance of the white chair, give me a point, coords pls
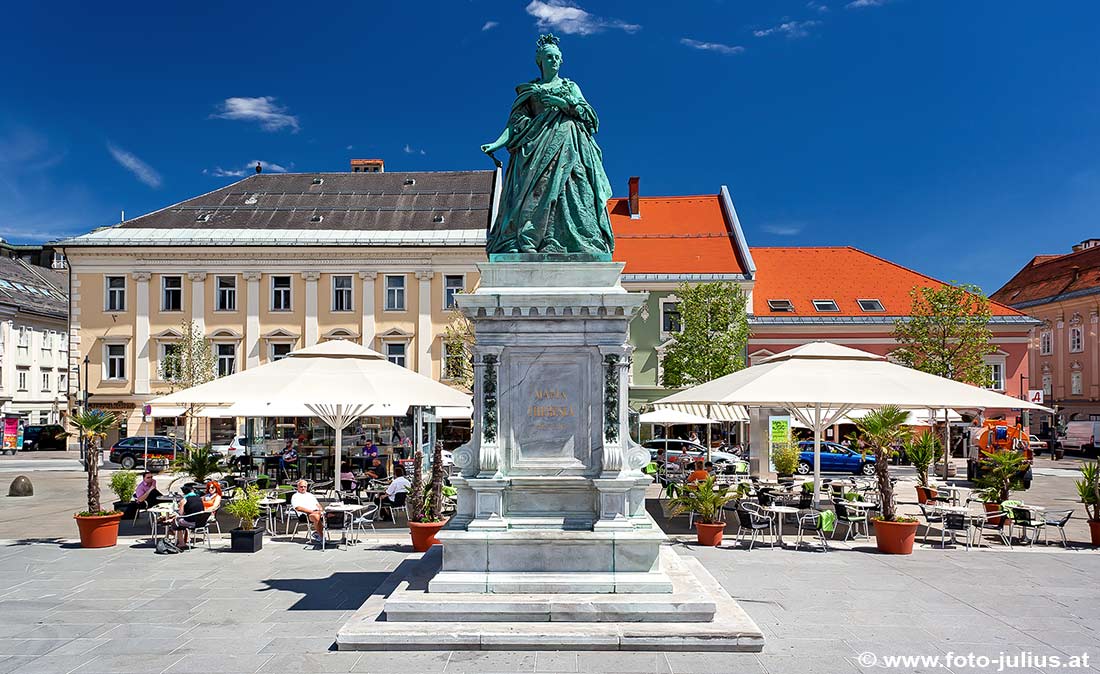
(365, 518)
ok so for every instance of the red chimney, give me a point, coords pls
(632, 202)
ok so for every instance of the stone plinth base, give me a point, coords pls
(698, 616)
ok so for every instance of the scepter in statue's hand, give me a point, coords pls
(490, 148)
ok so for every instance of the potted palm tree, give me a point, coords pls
(425, 501)
(248, 537)
(706, 502)
(1001, 474)
(198, 463)
(1088, 488)
(882, 430)
(922, 451)
(98, 527)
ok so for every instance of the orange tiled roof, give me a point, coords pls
(675, 235)
(842, 274)
(1051, 275)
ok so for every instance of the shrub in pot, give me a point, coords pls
(247, 537)
(98, 527)
(198, 463)
(1088, 488)
(706, 502)
(1001, 474)
(123, 484)
(425, 501)
(922, 452)
(785, 458)
(882, 430)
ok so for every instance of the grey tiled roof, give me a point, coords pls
(421, 201)
(26, 288)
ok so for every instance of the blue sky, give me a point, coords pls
(958, 138)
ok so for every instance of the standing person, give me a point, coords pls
(145, 495)
(306, 503)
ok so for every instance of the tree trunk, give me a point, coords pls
(885, 489)
(92, 459)
(437, 483)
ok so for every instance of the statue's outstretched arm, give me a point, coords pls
(500, 142)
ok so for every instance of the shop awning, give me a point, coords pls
(169, 411)
(716, 412)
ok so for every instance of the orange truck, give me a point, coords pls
(995, 435)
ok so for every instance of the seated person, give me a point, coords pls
(370, 450)
(699, 474)
(289, 455)
(145, 495)
(400, 485)
(347, 478)
(377, 470)
(191, 506)
(212, 498)
(307, 504)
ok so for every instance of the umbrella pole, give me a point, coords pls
(340, 413)
(946, 444)
(708, 434)
(817, 451)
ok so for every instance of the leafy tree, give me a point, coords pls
(947, 333)
(713, 333)
(186, 363)
(458, 340)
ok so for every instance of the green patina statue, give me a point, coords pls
(553, 204)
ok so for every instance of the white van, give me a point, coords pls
(1083, 436)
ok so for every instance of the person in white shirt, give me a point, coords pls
(400, 485)
(307, 504)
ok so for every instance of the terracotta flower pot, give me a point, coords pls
(99, 531)
(895, 538)
(925, 494)
(1094, 532)
(993, 508)
(423, 534)
(709, 534)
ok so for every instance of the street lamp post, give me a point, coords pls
(1025, 417)
(83, 440)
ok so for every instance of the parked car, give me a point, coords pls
(1036, 444)
(835, 458)
(234, 447)
(50, 436)
(686, 451)
(131, 452)
(1082, 436)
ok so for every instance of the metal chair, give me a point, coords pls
(850, 518)
(749, 517)
(954, 523)
(812, 520)
(931, 516)
(394, 507)
(1056, 519)
(994, 522)
(1025, 519)
(364, 519)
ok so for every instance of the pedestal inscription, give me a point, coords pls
(549, 409)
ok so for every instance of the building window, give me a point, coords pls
(781, 305)
(395, 293)
(45, 382)
(171, 295)
(996, 376)
(452, 285)
(1075, 383)
(24, 339)
(826, 305)
(279, 351)
(341, 293)
(227, 293)
(115, 293)
(115, 362)
(670, 317)
(21, 383)
(227, 359)
(871, 305)
(1076, 340)
(1046, 343)
(280, 293)
(61, 382)
(47, 342)
(395, 352)
(1048, 387)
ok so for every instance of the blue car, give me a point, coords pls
(835, 458)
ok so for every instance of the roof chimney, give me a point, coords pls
(368, 166)
(632, 202)
(1086, 244)
(259, 167)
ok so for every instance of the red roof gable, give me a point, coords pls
(675, 235)
(841, 274)
(1051, 275)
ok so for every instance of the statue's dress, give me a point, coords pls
(555, 189)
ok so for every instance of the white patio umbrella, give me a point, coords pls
(337, 382)
(820, 382)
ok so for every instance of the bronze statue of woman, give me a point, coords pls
(555, 190)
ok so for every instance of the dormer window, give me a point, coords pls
(870, 305)
(780, 305)
(826, 305)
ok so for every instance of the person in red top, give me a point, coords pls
(699, 474)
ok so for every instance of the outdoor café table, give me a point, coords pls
(951, 491)
(348, 509)
(158, 512)
(780, 511)
(271, 504)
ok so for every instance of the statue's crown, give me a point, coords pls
(548, 39)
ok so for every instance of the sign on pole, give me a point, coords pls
(1035, 395)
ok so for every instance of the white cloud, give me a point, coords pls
(783, 229)
(412, 150)
(567, 18)
(249, 169)
(489, 25)
(133, 164)
(857, 4)
(262, 109)
(712, 46)
(817, 6)
(350, 147)
(791, 29)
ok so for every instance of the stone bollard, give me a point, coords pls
(21, 486)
